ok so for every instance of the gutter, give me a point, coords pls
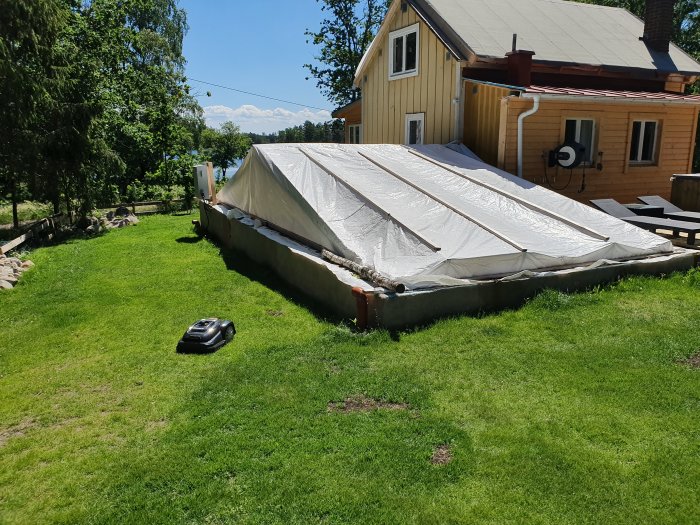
(521, 118)
(458, 104)
(611, 100)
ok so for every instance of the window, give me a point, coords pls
(643, 147)
(403, 52)
(414, 128)
(583, 132)
(354, 133)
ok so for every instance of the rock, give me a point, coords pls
(14, 262)
(12, 280)
(4, 285)
(119, 221)
(27, 264)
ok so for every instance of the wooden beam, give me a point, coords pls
(16, 242)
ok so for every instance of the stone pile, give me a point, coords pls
(11, 269)
(114, 219)
(119, 218)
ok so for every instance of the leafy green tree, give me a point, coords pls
(92, 98)
(149, 104)
(343, 38)
(331, 131)
(225, 146)
(29, 31)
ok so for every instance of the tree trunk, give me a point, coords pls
(55, 190)
(15, 214)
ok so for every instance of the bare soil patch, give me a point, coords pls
(364, 404)
(693, 361)
(442, 455)
(156, 425)
(274, 313)
(17, 430)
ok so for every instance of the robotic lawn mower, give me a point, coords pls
(206, 335)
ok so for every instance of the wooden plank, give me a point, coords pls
(437, 199)
(377, 208)
(5, 248)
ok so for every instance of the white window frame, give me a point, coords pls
(351, 130)
(577, 137)
(640, 143)
(410, 117)
(402, 33)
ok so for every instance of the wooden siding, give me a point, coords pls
(482, 119)
(544, 130)
(385, 103)
(352, 115)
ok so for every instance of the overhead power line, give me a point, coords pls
(257, 94)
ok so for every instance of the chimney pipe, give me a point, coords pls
(658, 24)
(520, 67)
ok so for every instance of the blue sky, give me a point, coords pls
(257, 46)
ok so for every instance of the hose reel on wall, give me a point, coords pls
(569, 155)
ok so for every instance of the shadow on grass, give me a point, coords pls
(57, 240)
(240, 263)
(192, 239)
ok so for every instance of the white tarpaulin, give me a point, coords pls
(426, 212)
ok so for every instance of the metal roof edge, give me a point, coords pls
(453, 43)
(496, 84)
(611, 98)
(607, 67)
(344, 108)
(369, 53)
(442, 30)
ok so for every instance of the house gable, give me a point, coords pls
(431, 90)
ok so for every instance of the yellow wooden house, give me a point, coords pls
(515, 79)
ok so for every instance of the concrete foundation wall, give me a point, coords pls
(314, 280)
(396, 311)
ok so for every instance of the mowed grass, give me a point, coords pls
(573, 409)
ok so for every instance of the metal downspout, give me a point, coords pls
(458, 104)
(521, 118)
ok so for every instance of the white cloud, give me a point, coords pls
(253, 119)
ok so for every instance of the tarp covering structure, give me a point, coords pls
(424, 214)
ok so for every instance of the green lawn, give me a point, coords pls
(573, 409)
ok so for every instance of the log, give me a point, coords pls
(365, 272)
